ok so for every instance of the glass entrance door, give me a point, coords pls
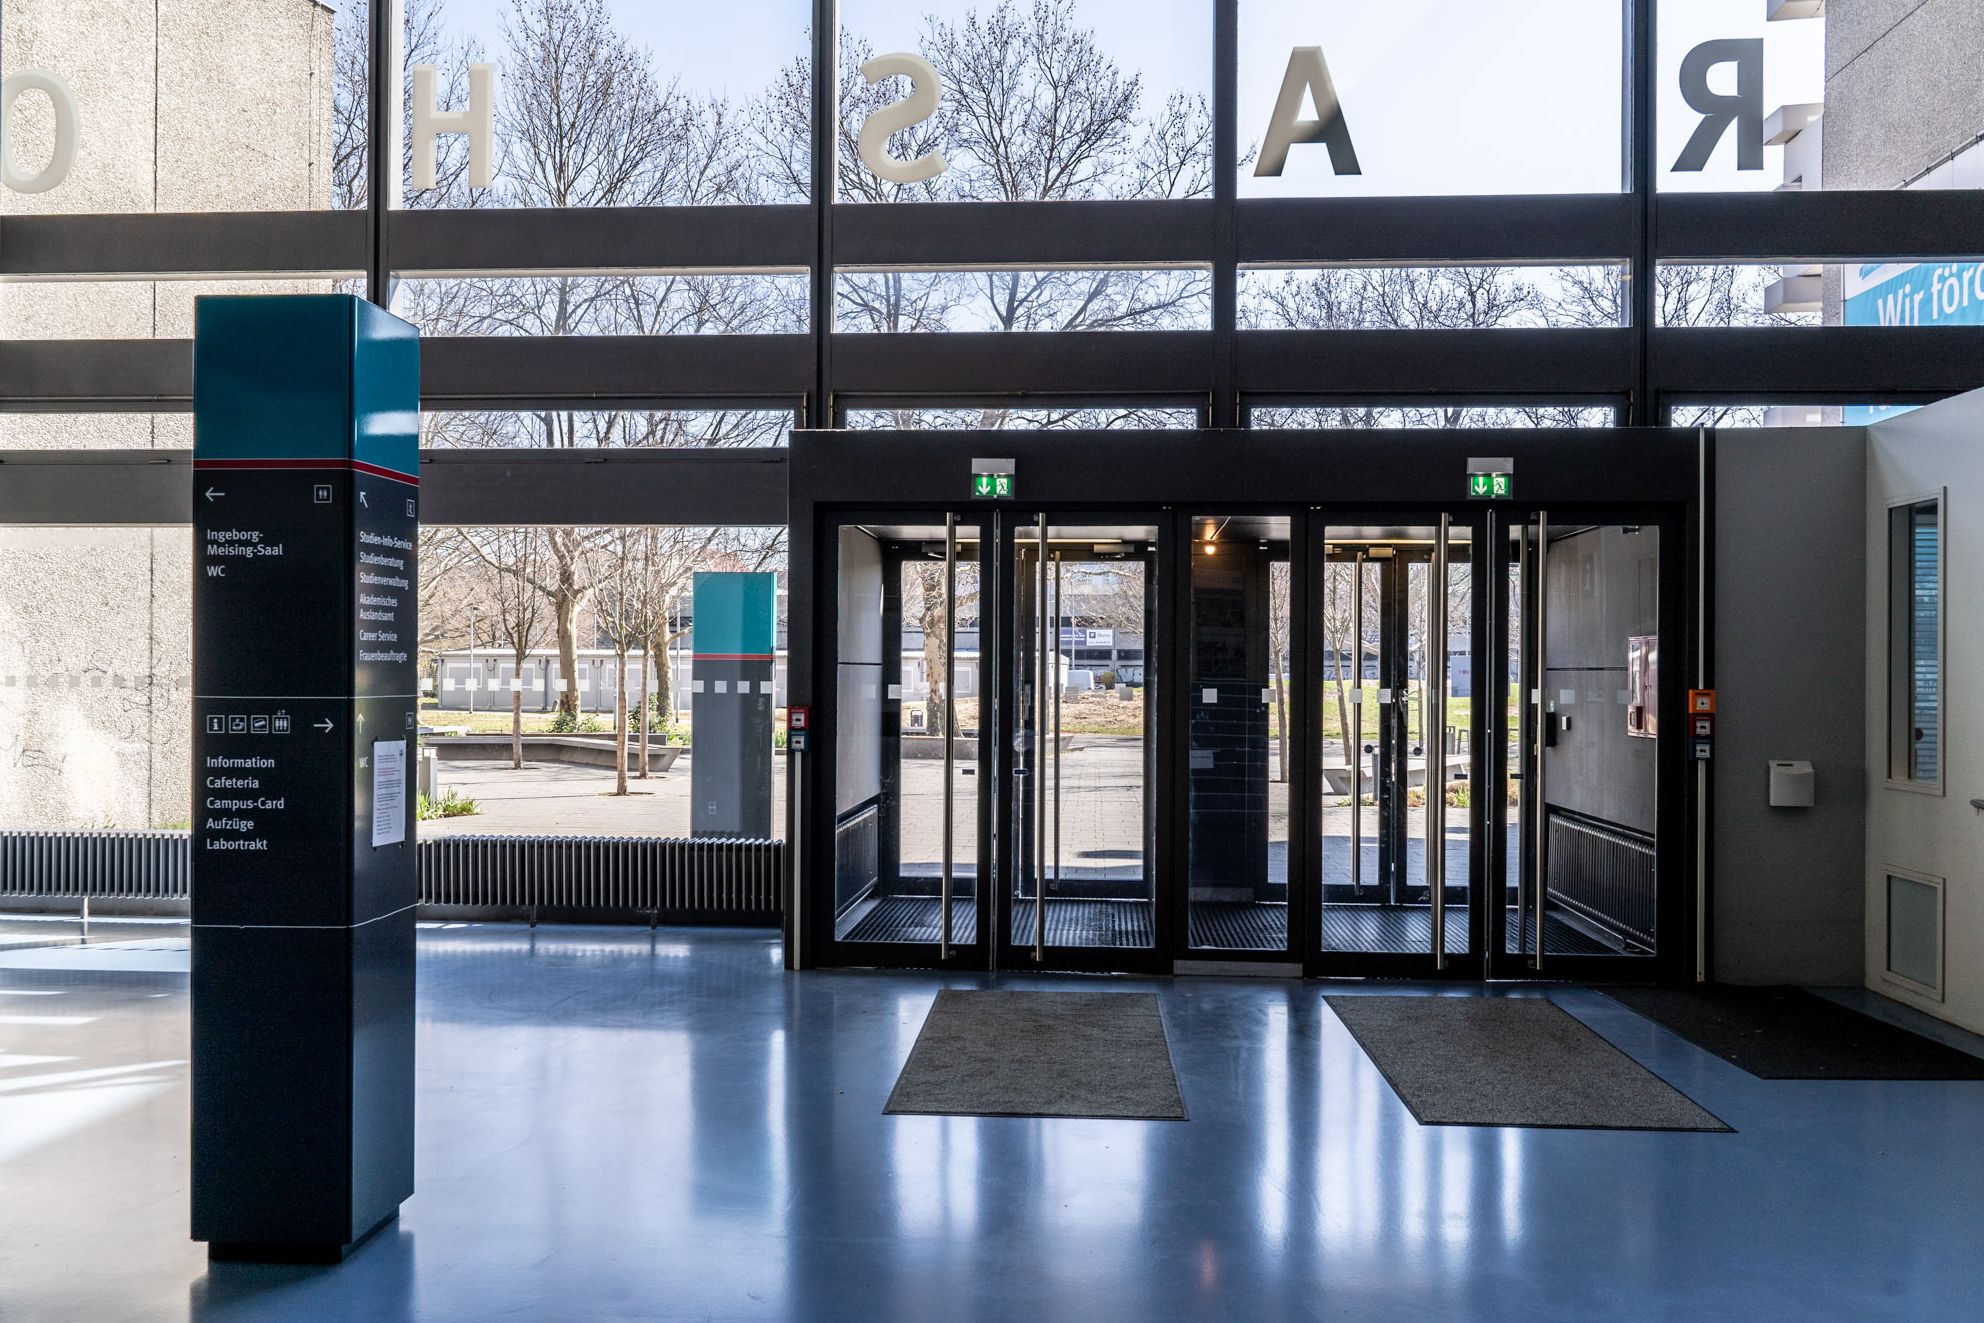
(1397, 688)
(1592, 769)
(1240, 737)
(1078, 856)
(911, 739)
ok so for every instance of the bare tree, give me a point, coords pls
(1034, 110)
(424, 40)
(516, 555)
(616, 569)
(923, 605)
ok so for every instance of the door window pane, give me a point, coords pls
(1083, 750)
(1915, 642)
(1239, 757)
(1397, 745)
(1589, 806)
(909, 670)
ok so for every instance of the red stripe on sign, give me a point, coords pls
(355, 465)
(271, 463)
(362, 467)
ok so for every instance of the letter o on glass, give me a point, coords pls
(924, 90)
(68, 130)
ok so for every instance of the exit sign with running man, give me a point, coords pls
(1491, 479)
(992, 480)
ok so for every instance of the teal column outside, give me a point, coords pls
(731, 689)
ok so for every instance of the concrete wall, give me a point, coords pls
(1790, 594)
(186, 105)
(1938, 834)
(1902, 90)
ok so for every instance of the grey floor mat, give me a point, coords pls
(1069, 1054)
(1510, 1061)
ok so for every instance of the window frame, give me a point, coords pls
(1901, 682)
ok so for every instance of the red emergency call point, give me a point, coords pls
(795, 718)
(1702, 700)
(1704, 727)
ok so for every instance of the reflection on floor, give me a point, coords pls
(618, 1124)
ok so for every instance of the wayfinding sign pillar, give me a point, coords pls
(730, 767)
(305, 523)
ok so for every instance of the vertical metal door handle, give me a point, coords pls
(950, 708)
(1434, 741)
(1353, 745)
(1540, 668)
(1040, 768)
(1058, 686)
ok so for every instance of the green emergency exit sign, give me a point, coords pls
(992, 486)
(1491, 486)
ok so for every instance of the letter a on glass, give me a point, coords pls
(1307, 72)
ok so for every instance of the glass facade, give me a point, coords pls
(1041, 100)
(1443, 97)
(646, 250)
(612, 103)
(1454, 298)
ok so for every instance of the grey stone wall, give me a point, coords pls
(187, 105)
(1902, 88)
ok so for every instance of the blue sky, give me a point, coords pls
(1442, 96)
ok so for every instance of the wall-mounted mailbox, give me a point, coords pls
(1792, 785)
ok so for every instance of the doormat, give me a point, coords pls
(1075, 1054)
(1790, 1034)
(1510, 1061)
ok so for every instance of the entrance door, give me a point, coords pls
(1398, 685)
(1078, 737)
(911, 739)
(1595, 799)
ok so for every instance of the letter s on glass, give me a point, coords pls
(919, 105)
(68, 130)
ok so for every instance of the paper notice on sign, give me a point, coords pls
(388, 792)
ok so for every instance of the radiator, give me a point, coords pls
(95, 865)
(646, 874)
(1605, 874)
(652, 876)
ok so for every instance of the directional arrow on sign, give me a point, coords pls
(325, 725)
(361, 723)
(212, 494)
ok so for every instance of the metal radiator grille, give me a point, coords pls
(646, 874)
(95, 865)
(663, 877)
(1605, 875)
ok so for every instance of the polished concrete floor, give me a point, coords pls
(616, 1125)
